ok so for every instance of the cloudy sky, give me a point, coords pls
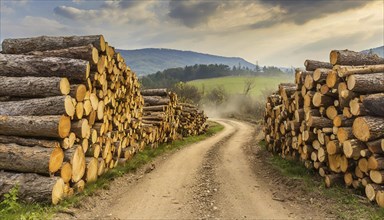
(273, 32)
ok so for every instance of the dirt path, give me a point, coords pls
(214, 178)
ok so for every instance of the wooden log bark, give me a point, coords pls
(320, 74)
(311, 65)
(35, 159)
(154, 92)
(42, 43)
(35, 126)
(88, 53)
(155, 100)
(319, 122)
(333, 179)
(375, 103)
(33, 187)
(357, 108)
(344, 71)
(376, 162)
(353, 147)
(344, 133)
(319, 100)
(376, 146)
(347, 57)
(368, 128)
(27, 65)
(56, 105)
(33, 87)
(28, 141)
(367, 83)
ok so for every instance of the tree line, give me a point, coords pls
(169, 77)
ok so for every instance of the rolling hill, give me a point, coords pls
(151, 60)
(378, 50)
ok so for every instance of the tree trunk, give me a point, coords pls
(351, 58)
(353, 147)
(344, 133)
(33, 87)
(26, 65)
(376, 163)
(377, 176)
(367, 84)
(33, 187)
(368, 128)
(319, 100)
(155, 100)
(375, 104)
(25, 45)
(35, 159)
(371, 189)
(320, 75)
(333, 179)
(76, 157)
(357, 108)
(56, 105)
(35, 126)
(28, 141)
(157, 108)
(311, 65)
(334, 147)
(319, 122)
(332, 79)
(376, 146)
(344, 71)
(88, 53)
(154, 92)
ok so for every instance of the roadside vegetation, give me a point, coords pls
(11, 208)
(344, 202)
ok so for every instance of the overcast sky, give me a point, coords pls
(273, 32)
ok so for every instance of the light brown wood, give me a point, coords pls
(344, 71)
(367, 83)
(35, 126)
(368, 128)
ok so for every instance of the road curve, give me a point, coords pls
(212, 178)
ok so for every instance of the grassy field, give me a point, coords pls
(235, 84)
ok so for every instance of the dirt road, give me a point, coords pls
(210, 179)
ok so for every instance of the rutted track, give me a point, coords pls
(210, 179)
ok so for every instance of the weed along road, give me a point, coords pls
(209, 179)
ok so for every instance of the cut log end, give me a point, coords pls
(64, 126)
(65, 87)
(58, 191)
(56, 160)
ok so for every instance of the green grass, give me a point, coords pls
(346, 203)
(10, 208)
(235, 84)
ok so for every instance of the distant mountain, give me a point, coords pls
(151, 60)
(378, 50)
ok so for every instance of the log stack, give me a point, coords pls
(69, 107)
(160, 116)
(192, 120)
(332, 119)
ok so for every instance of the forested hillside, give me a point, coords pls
(151, 60)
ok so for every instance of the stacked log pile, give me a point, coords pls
(69, 107)
(192, 120)
(332, 119)
(160, 116)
